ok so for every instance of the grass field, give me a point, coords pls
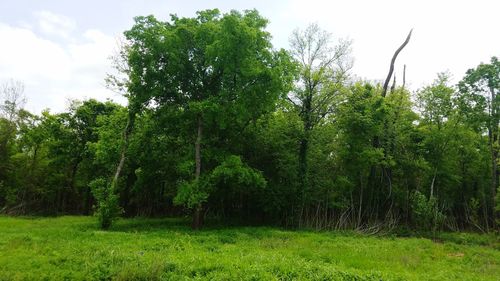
(73, 248)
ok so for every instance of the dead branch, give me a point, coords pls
(391, 69)
(404, 76)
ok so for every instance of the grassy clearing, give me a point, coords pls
(73, 248)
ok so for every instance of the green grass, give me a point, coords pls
(73, 248)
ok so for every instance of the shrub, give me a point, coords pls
(426, 213)
(108, 208)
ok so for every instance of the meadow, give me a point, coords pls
(73, 248)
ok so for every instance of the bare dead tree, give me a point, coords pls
(391, 68)
(404, 76)
(117, 80)
(12, 99)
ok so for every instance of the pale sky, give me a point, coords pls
(60, 48)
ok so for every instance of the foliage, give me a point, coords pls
(107, 208)
(233, 174)
(426, 212)
(216, 72)
(321, 69)
(231, 177)
(479, 100)
(219, 124)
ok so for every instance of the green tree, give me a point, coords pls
(361, 118)
(218, 71)
(435, 103)
(454, 153)
(108, 150)
(480, 101)
(11, 104)
(323, 69)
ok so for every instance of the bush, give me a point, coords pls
(426, 213)
(108, 208)
(232, 175)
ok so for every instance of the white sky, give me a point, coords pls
(60, 49)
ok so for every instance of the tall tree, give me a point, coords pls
(217, 71)
(480, 101)
(11, 104)
(323, 68)
(360, 119)
(439, 123)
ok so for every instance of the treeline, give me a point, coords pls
(219, 124)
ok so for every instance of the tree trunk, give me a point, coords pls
(88, 201)
(494, 146)
(432, 183)
(494, 173)
(71, 187)
(304, 147)
(303, 151)
(126, 135)
(198, 217)
(198, 211)
(360, 209)
(120, 163)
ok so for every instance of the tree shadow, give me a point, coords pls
(225, 231)
(151, 225)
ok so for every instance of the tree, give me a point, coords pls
(69, 136)
(438, 124)
(360, 119)
(323, 69)
(11, 104)
(216, 71)
(455, 153)
(221, 125)
(109, 150)
(435, 103)
(403, 164)
(13, 99)
(479, 101)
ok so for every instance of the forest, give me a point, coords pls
(221, 126)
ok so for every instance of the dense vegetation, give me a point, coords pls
(73, 248)
(221, 125)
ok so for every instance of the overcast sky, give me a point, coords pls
(60, 49)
